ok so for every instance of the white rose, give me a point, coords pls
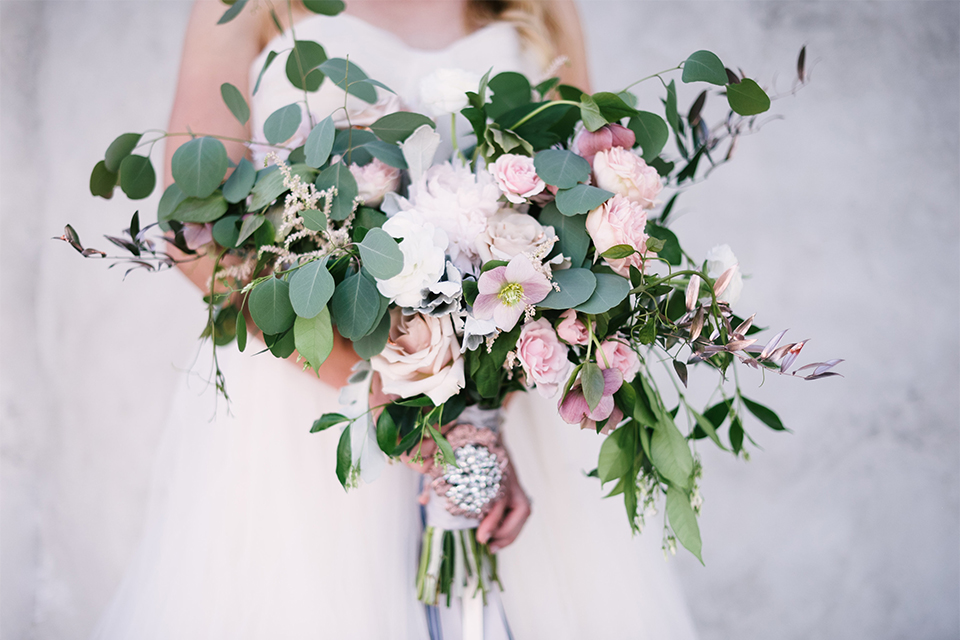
(423, 248)
(719, 259)
(445, 91)
(375, 180)
(509, 234)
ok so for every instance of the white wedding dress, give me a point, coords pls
(249, 534)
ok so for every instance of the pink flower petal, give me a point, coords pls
(573, 407)
(493, 280)
(534, 292)
(484, 306)
(505, 317)
(521, 270)
(612, 381)
(604, 408)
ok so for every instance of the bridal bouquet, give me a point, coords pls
(538, 257)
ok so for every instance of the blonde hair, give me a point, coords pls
(537, 26)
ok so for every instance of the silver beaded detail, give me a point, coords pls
(475, 482)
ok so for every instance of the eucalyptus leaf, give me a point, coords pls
(397, 127)
(232, 12)
(225, 232)
(281, 345)
(241, 181)
(381, 254)
(313, 338)
(574, 241)
(561, 168)
(250, 225)
(169, 201)
(582, 198)
(270, 306)
(339, 176)
(346, 75)
(325, 7)
(235, 101)
(311, 287)
(200, 210)
(576, 287)
(102, 180)
(591, 380)
(199, 165)
(651, 133)
(314, 219)
(119, 149)
(269, 185)
(282, 124)
(747, 98)
(266, 64)
(610, 291)
(704, 66)
(683, 521)
(373, 343)
(389, 154)
(302, 65)
(355, 304)
(137, 177)
(319, 143)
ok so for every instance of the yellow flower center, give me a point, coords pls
(511, 294)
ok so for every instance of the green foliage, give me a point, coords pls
(581, 198)
(387, 433)
(311, 287)
(169, 201)
(619, 251)
(266, 64)
(269, 185)
(200, 210)
(576, 287)
(325, 7)
(119, 149)
(232, 12)
(764, 414)
(348, 77)
(704, 66)
(591, 379)
(328, 420)
(102, 180)
(671, 251)
(397, 127)
(374, 342)
(380, 254)
(747, 98)
(617, 453)
(241, 332)
(561, 168)
(683, 520)
(612, 107)
(281, 345)
(241, 181)
(270, 306)
(443, 445)
(137, 177)
(282, 124)
(590, 114)
(651, 132)
(572, 231)
(610, 291)
(339, 176)
(344, 458)
(303, 64)
(510, 90)
(313, 338)
(314, 219)
(355, 304)
(670, 105)
(226, 233)
(319, 143)
(199, 165)
(235, 102)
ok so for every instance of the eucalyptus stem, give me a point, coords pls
(296, 52)
(652, 76)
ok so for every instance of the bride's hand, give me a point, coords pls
(506, 518)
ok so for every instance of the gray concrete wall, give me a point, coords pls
(845, 213)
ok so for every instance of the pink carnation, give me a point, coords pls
(619, 221)
(516, 177)
(620, 356)
(571, 330)
(622, 172)
(543, 357)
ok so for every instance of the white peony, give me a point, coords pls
(423, 247)
(445, 91)
(719, 259)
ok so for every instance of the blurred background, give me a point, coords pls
(845, 213)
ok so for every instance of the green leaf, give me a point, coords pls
(574, 241)
(347, 75)
(670, 453)
(612, 107)
(736, 435)
(648, 332)
(610, 291)
(313, 219)
(282, 124)
(683, 520)
(235, 102)
(232, 12)
(328, 420)
(313, 338)
(381, 254)
(704, 66)
(102, 180)
(576, 287)
(397, 127)
(241, 332)
(591, 379)
(119, 149)
(270, 306)
(339, 176)
(387, 433)
(200, 210)
(266, 63)
(137, 177)
(470, 291)
(389, 154)
(169, 201)
(444, 446)
(747, 98)
(671, 251)
(651, 132)
(249, 226)
(311, 287)
(320, 143)
(707, 427)
(619, 252)
(590, 113)
(225, 232)
(764, 414)
(374, 342)
(617, 453)
(355, 304)
(673, 118)
(269, 185)
(241, 181)
(510, 90)
(344, 458)
(302, 65)
(561, 168)
(581, 198)
(198, 166)
(325, 7)
(281, 345)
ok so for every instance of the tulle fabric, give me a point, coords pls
(250, 536)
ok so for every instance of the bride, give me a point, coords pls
(249, 535)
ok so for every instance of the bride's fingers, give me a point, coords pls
(491, 522)
(512, 524)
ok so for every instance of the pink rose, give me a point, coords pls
(622, 172)
(375, 180)
(543, 357)
(589, 143)
(619, 221)
(421, 356)
(516, 177)
(509, 234)
(620, 356)
(571, 330)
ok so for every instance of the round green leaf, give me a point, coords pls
(561, 168)
(270, 306)
(582, 198)
(319, 143)
(225, 231)
(137, 177)
(199, 166)
(235, 102)
(314, 219)
(347, 76)
(592, 383)
(269, 184)
(302, 63)
(381, 254)
(572, 231)
(325, 7)
(120, 149)
(397, 127)
(311, 287)
(747, 98)
(282, 345)
(102, 180)
(704, 66)
(576, 286)
(313, 338)
(610, 291)
(354, 305)
(200, 209)
(238, 185)
(651, 132)
(373, 343)
(169, 201)
(282, 124)
(339, 176)
(249, 226)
